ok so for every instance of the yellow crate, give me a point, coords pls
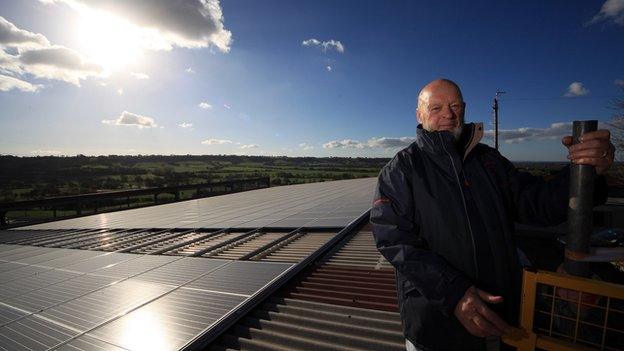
(563, 312)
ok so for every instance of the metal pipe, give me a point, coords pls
(580, 207)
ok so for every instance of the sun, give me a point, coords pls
(109, 40)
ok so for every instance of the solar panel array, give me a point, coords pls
(161, 277)
(328, 204)
(74, 299)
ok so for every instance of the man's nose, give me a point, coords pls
(448, 113)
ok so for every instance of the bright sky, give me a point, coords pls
(296, 78)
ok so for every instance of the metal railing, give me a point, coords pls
(80, 205)
(563, 312)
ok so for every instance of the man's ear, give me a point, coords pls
(418, 115)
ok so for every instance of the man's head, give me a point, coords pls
(441, 107)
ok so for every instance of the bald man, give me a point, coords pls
(444, 214)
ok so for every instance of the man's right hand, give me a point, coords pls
(476, 317)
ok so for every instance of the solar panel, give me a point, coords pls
(88, 343)
(169, 322)
(33, 333)
(113, 301)
(240, 277)
(250, 209)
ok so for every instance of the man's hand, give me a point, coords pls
(594, 149)
(476, 317)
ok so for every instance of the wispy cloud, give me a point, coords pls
(611, 10)
(204, 105)
(120, 91)
(216, 141)
(576, 89)
(306, 146)
(389, 143)
(227, 106)
(344, 144)
(45, 152)
(9, 83)
(250, 146)
(185, 125)
(520, 135)
(140, 76)
(619, 83)
(132, 119)
(325, 45)
(189, 70)
(382, 142)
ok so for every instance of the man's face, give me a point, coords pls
(440, 107)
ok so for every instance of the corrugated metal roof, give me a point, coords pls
(348, 302)
(327, 204)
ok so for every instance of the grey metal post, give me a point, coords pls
(580, 207)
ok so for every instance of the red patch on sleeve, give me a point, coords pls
(381, 201)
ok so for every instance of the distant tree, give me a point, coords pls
(616, 127)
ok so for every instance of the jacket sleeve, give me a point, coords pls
(396, 233)
(544, 202)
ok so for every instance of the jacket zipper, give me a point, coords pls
(461, 191)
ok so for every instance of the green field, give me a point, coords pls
(28, 178)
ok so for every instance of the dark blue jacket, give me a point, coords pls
(422, 226)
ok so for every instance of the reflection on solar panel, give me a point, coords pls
(282, 245)
(328, 204)
(164, 277)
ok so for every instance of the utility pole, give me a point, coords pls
(495, 108)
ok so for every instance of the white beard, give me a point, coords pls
(457, 132)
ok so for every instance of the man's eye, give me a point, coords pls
(436, 108)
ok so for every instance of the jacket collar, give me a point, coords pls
(442, 141)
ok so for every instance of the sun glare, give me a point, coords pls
(109, 40)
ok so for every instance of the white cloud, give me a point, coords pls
(306, 146)
(45, 152)
(344, 144)
(216, 142)
(132, 119)
(227, 106)
(12, 36)
(139, 76)
(382, 142)
(120, 91)
(189, 70)
(519, 135)
(185, 125)
(187, 24)
(311, 42)
(611, 10)
(250, 146)
(619, 83)
(8, 83)
(34, 55)
(325, 45)
(328, 68)
(576, 89)
(204, 105)
(386, 143)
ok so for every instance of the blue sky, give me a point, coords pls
(296, 78)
